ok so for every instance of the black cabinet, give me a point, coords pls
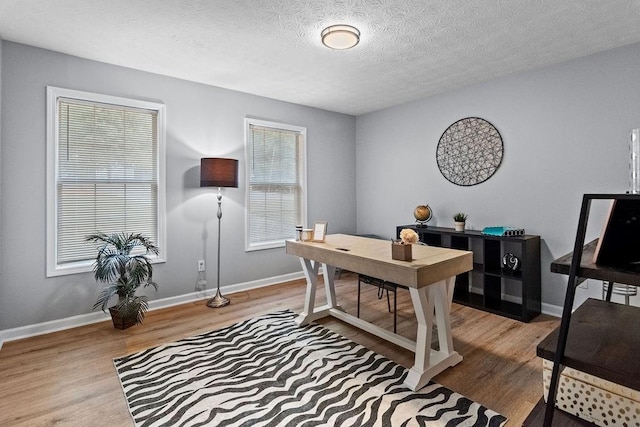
(490, 287)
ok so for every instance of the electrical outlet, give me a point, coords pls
(201, 265)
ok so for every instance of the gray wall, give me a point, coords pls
(565, 130)
(201, 121)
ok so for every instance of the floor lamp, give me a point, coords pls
(217, 172)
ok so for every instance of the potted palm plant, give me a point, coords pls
(123, 272)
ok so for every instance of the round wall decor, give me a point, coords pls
(469, 151)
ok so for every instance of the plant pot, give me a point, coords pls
(401, 252)
(118, 321)
(458, 225)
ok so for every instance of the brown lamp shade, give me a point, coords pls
(217, 172)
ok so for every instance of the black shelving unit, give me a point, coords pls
(487, 284)
(600, 338)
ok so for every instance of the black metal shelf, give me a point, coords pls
(596, 346)
(603, 342)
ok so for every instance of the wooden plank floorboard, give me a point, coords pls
(67, 378)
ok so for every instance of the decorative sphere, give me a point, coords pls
(422, 213)
(510, 262)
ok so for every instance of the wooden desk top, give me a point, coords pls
(589, 270)
(373, 257)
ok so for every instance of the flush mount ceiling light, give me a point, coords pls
(340, 37)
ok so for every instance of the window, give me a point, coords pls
(276, 175)
(105, 173)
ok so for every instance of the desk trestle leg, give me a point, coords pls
(310, 270)
(429, 362)
(311, 313)
(327, 273)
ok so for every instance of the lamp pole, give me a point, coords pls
(218, 300)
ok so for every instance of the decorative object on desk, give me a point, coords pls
(469, 151)
(408, 236)
(298, 233)
(124, 273)
(218, 172)
(308, 373)
(510, 262)
(422, 214)
(459, 221)
(401, 250)
(307, 234)
(634, 162)
(319, 231)
(503, 231)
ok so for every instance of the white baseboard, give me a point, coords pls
(89, 318)
(552, 310)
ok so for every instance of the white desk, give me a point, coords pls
(430, 277)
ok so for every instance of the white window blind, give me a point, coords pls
(107, 175)
(276, 199)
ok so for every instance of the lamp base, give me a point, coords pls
(218, 300)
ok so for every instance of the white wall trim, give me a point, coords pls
(551, 310)
(89, 318)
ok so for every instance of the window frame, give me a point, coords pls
(302, 171)
(54, 269)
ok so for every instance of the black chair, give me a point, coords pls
(383, 286)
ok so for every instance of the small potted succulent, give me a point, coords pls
(459, 219)
(124, 273)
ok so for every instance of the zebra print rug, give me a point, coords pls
(268, 371)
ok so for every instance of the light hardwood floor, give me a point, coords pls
(67, 378)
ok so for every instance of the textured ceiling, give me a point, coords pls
(409, 49)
